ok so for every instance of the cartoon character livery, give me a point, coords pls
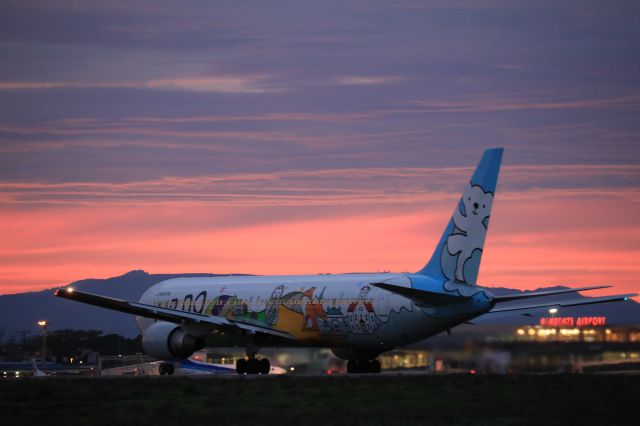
(358, 316)
(471, 220)
(456, 260)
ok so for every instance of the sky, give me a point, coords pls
(290, 137)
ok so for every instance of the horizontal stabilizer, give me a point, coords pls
(511, 297)
(565, 303)
(421, 297)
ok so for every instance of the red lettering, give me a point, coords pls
(559, 322)
(591, 321)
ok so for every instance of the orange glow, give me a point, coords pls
(532, 243)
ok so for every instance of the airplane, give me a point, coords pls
(35, 371)
(191, 366)
(359, 315)
(186, 367)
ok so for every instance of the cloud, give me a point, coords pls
(177, 134)
(252, 115)
(346, 186)
(271, 116)
(205, 84)
(496, 103)
(365, 80)
(552, 241)
(220, 84)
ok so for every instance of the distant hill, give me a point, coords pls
(617, 313)
(20, 312)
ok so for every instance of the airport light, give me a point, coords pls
(44, 325)
(553, 311)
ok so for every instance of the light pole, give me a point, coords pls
(44, 325)
(553, 311)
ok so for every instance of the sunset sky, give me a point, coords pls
(292, 137)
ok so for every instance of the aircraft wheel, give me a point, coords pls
(170, 369)
(241, 366)
(353, 366)
(265, 366)
(253, 366)
(162, 369)
(375, 366)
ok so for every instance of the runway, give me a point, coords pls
(323, 400)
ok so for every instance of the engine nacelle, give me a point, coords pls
(167, 341)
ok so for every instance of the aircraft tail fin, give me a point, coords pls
(35, 370)
(457, 256)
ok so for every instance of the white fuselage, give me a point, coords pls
(317, 310)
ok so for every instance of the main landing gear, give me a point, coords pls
(166, 368)
(253, 365)
(356, 365)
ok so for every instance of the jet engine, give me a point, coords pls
(167, 341)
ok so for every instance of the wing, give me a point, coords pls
(564, 303)
(167, 314)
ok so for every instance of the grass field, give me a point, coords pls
(331, 400)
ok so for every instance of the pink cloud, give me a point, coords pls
(491, 103)
(554, 241)
(211, 83)
(274, 116)
(345, 186)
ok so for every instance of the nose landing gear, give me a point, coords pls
(166, 368)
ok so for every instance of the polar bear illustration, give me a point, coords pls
(471, 220)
